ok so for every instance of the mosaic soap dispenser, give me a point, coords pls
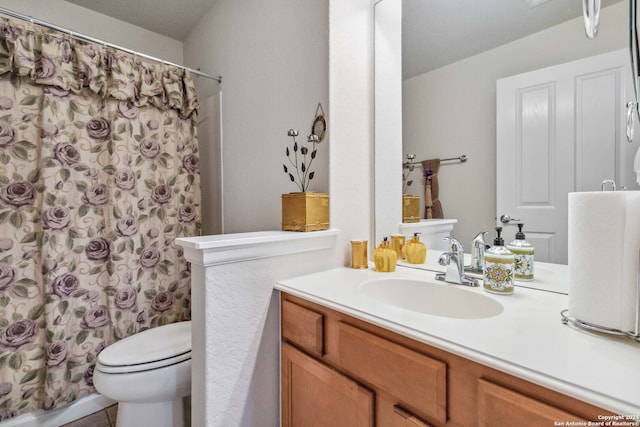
(523, 254)
(499, 267)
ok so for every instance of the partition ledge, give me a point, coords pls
(238, 247)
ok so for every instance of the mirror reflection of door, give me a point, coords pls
(560, 129)
(210, 138)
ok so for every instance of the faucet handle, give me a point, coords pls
(444, 259)
(478, 247)
(454, 246)
(479, 239)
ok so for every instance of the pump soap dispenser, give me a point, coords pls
(415, 250)
(523, 253)
(384, 257)
(499, 267)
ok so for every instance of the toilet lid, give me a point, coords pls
(150, 349)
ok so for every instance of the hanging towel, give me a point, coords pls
(432, 205)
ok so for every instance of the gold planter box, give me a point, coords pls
(305, 211)
(410, 208)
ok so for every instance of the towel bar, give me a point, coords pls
(462, 158)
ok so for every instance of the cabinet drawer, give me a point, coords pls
(413, 378)
(497, 404)
(303, 327)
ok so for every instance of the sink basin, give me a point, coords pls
(431, 298)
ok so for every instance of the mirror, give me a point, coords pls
(632, 106)
(454, 112)
(319, 125)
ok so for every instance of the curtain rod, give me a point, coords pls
(103, 42)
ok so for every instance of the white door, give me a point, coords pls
(559, 129)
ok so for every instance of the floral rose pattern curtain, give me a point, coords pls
(98, 176)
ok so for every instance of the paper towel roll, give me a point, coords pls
(604, 252)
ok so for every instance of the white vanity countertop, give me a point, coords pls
(527, 340)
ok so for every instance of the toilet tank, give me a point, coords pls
(432, 231)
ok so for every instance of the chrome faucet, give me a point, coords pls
(454, 261)
(478, 247)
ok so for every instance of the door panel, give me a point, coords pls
(534, 144)
(596, 128)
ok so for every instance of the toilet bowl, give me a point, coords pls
(432, 231)
(149, 374)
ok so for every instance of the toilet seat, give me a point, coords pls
(151, 349)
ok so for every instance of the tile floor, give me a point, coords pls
(104, 418)
(107, 417)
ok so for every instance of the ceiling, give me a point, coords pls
(439, 32)
(435, 32)
(171, 18)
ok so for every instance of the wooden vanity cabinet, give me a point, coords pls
(341, 371)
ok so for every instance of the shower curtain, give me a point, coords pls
(99, 173)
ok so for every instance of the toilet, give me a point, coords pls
(148, 374)
(432, 231)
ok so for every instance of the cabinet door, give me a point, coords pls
(403, 418)
(501, 406)
(314, 395)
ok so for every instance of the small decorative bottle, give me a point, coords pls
(499, 266)
(415, 250)
(523, 253)
(384, 257)
(397, 244)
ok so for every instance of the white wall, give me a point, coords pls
(452, 111)
(351, 121)
(273, 58)
(85, 21)
(238, 343)
(388, 117)
(241, 378)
